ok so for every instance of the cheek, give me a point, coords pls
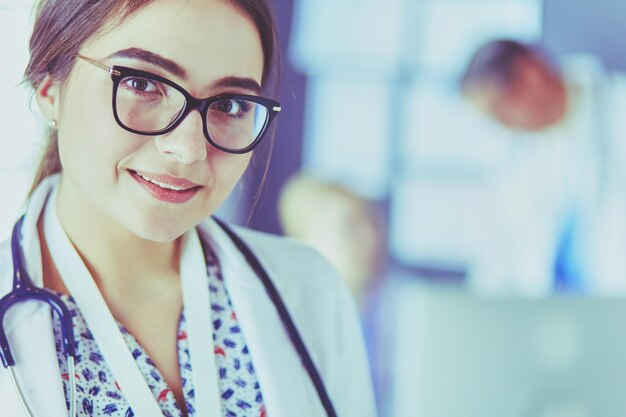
(88, 134)
(228, 169)
(93, 148)
(225, 171)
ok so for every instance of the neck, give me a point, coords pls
(119, 260)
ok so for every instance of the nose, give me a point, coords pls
(186, 143)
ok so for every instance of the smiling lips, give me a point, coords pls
(165, 187)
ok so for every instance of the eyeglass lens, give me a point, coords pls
(147, 105)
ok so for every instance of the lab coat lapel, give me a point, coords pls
(29, 330)
(285, 385)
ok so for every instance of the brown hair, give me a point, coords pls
(62, 27)
(496, 63)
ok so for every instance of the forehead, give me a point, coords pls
(209, 38)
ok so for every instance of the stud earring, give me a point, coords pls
(52, 123)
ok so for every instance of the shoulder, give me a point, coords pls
(315, 292)
(279, 249)
(325, 313)
(289, 262)
(268, 244)
(318, 297)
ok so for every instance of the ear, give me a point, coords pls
(48, 95)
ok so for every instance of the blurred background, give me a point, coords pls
(488, 258)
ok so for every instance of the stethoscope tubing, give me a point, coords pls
(284, 315)
(24, 290)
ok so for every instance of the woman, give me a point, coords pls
(169, 315)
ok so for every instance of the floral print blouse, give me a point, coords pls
(98, 394)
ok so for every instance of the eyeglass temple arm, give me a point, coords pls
(115, 72)
(99, 65)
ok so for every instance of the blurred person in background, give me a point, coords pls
(351, 233)
(543, 192)
(517, 86)
(344, 227)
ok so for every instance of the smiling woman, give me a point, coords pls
(155, 108)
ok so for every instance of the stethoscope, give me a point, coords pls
(24, 290)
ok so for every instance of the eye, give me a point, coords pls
(234, 108)
(231, 107)
(142, 85)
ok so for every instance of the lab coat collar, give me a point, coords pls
(30, 238)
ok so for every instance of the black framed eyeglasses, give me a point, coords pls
(148, 104)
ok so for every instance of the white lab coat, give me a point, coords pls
(541, 189)
(317, 298)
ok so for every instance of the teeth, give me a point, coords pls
(160, 184)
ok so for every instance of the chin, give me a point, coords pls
(160, 231)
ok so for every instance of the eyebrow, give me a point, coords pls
(151, 58)
(239, 83)
(176, 69)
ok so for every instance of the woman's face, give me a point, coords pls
(206, 46)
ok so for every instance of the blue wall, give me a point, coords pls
(595, 26)
(287, 154)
